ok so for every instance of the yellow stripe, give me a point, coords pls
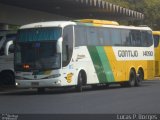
(116, 66)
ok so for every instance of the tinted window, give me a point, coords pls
(106, 33)
(80, 35)
(156, 40)
(116, 37)
(38, 55)
(39, 34)
(67, 45)
(100, 36)
(92, 36)
(4, 41)
(1, 38)
(10, 37)
(147, 39)
(126, 37)
(135, 38)
(89, 35)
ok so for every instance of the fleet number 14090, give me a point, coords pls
(147, 53)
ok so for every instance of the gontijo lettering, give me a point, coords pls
(127, 53)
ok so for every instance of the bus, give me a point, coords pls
(156, 35)
(82, 52)
(6, 57)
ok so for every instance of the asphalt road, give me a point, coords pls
(144, 99)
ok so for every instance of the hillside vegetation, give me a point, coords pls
(150, 8)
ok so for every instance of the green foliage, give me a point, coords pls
(152, 15)
(150, 9)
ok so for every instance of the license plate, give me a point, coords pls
(35, 84)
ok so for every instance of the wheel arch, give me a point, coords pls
(7, 71)
(84, 75)
(131, 69)
(141, 69)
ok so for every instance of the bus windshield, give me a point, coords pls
(37, 49)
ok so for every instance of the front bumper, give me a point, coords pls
(38, 83)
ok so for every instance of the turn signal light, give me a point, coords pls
(26, 66)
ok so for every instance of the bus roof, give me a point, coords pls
(156, 32)
(48, 24)
(83, 22)
(129, 27)
(100, 22)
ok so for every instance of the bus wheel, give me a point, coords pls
(80, 82)
(7, 78)
(132, 79)
(124, 84)
(40, 90)
(140, 78)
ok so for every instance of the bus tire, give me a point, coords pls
(132, 78)
(94, 86)
(82, 80)
(7, 78)
(140, 77)
(79, 86)
(40, 90)
(124, 84)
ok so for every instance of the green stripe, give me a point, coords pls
(106, 64)
(101, 64)
(97, 64)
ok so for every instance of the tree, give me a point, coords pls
(150, 9)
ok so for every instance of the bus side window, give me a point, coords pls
(1, 51)
(65, 52)
(67, 45)
(125, 35)
(116, 37)
(2, 40)
(92, 38)
(147, 38)
(136, 38)
(107, 36)
(156, 40)
(80, 35)
(150, 38)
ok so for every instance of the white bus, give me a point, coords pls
(68, 53)
(6, 57)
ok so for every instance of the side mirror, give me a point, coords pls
(8, 44)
